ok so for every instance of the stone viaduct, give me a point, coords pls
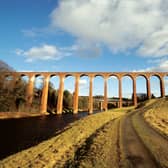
(77, 75)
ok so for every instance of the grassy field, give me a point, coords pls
(56, 151)
(157, 117)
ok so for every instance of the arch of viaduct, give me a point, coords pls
(77, 75)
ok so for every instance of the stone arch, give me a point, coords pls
(69, 74)
(155, 83)
(99, 74)
(84, 74)
(90, 75)
(141, 87)
(53, 87)
(83, 102)
(128, 75)
(21, 86)
(158, 75)
(24, 77)
(113, 74)
(113, 91)
(142, 75)
(8, 81)
(127, 90)
(37, 91)
(98, 92)
(165, 79)
(38, 74)
(68, 94)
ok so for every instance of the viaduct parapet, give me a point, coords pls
(77, 75)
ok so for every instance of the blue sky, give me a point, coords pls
(84, 35)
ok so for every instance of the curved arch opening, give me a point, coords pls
(155, 86)
(52, 94)
(20, 90)
(112, 92)
(7, 82)
(83, 102)
(6, 94)
(166, 85)
(37, 93)
(127, 91)
(98, 93)
(68, 98)
(141, 88)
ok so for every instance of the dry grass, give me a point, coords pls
(157, 145)
(157, 117)
(9, 115)
(100, 150)
(57, 150)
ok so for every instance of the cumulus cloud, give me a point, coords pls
(52, 52)
(119, 24)
(161, 65)
(156, 45)
(44, 52)
(83, 48)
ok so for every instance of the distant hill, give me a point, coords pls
(5, 67)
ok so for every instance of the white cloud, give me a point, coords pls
(161, 65)
(44, 52)
(156, 45)
(18, 51)
(51, 52)
(119, 24)
(83, 48)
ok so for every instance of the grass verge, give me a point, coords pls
(157, 117)
(101, 150)
(157, 145)
(57, 150)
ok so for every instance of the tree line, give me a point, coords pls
(13, 98)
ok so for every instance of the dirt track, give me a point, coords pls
(135, 152)
(127, 147)
(142, 145)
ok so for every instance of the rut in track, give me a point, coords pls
(135, 152)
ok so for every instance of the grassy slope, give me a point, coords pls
(57, 150)
(101, 150)
(157, 117)
(156, 146)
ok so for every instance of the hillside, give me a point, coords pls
(5, 67)
(157, 117)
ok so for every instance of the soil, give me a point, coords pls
(135, 151)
